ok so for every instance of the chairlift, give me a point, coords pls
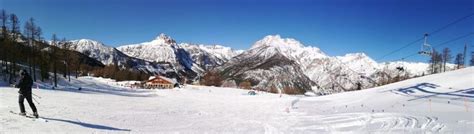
(426, 49)
(400, 67)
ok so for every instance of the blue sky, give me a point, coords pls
(336, 26)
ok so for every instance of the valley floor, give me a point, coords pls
(436, 103)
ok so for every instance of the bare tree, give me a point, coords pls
(14, 31)
(459, 61)
(4, 18)
(464, 55)
(65, 46)
(471, 62)
(446, 57)
(435, 62)
(212, 78)
(54, 58)
(14, 26)
(29, 31)
(37, 33)
(245, 85)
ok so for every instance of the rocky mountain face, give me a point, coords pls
(185, 59)
(274, 64)
(111, 56)
(326, 74)
(209, 56)
(267, 69)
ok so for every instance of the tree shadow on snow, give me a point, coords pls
(429, 89)
(111, 92)
(101, 89)
(88, 125)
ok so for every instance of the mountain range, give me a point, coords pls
(274, 64)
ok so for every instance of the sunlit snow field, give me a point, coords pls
(436, 103)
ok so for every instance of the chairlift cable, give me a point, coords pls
(444, 43)
(431, 33)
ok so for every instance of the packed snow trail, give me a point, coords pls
(440, 103)
(435, 103)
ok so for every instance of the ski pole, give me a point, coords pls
(36, 95)
(35, 100)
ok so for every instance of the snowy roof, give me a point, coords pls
(173, 81)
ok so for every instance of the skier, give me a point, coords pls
(25, 85)
(359, 86)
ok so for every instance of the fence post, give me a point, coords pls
(430, 104)
(465, 104)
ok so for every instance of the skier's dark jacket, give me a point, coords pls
(25, 84)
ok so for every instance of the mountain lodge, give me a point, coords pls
(160, 82)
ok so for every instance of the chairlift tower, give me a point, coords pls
(426, 49)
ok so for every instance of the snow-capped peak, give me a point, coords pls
(95, 49)
(277, 41)
(161, 39)
(163, 36)
(288, 47)
(88, 42)
(355, 56)
(359, 62)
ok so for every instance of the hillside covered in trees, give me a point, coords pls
(25, 47)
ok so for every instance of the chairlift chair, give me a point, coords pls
(400, 67)
(426, 48)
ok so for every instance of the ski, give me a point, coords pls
(30, 116)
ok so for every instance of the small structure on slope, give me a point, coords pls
(160, 82)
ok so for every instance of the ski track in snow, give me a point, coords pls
(369, 122)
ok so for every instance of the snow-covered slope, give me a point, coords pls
(109, 56)
(440, 103)
(414, 68)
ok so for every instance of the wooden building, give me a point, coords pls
(160, 82)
